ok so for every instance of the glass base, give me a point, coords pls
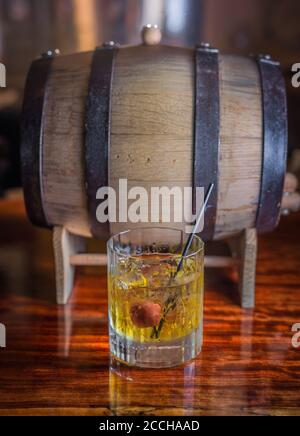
(156, 355)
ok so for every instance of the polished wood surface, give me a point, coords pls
(57, 359)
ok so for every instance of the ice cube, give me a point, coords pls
(130, 280)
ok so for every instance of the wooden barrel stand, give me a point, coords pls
(69, 252)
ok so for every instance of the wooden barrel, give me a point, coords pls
(157, 116)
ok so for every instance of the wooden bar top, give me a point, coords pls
(57, 358)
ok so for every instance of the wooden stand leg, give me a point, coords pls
(244, 248)
(65, 245)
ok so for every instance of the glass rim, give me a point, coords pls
(126, 232)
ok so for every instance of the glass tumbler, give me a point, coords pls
(155, 312)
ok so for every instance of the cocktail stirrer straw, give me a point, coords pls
(191, 237)
(171, 304)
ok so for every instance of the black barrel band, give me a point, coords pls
(274, 144)
(207, 132)
(32, 139)
(98, 124)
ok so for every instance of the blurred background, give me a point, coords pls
(31, 27)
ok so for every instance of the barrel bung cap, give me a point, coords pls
(151, 34)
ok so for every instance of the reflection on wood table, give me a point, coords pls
(57, 360)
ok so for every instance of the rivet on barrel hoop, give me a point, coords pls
(51, 53)
(109, 44)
